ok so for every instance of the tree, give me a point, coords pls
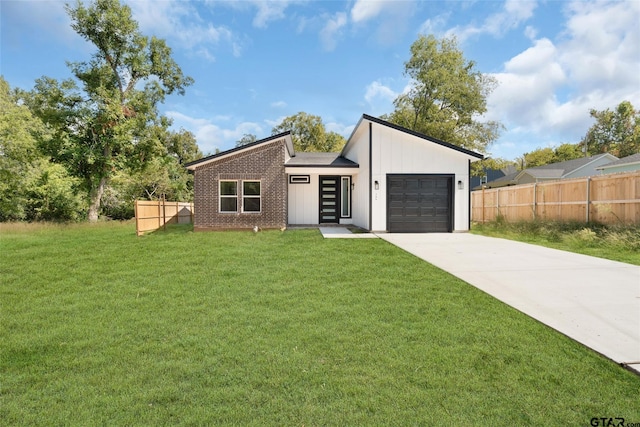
(31, 188)
(616, 132)
(545, 156)
(447, 96)
(568, 151)
(161, 177)
(247, 138)
(108, 125)
(309, 134)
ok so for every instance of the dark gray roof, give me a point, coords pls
(634, 158)
(558, 170)
(504, 181)
(322, 160)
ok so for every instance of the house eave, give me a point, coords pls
(237, 150)
(475, 156)
(620, 165)
(321, 170)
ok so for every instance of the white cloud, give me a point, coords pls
(546, 91)
(339, 128)
(363, 10)
(379, 97)
(435, 25)
(515, 12)
(180, 23)
(332, 30)
(278, 104)
(390, 18)
(377, 90)
(211, 136)
(269, 11)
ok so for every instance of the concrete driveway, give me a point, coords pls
(592, 300)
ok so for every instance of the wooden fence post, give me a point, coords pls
(535, 200)
(135, 211)
(588, 202)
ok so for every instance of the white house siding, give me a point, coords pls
(304, 199)
(358, 151)
(397, 152)
(401, 153)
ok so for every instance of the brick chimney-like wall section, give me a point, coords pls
(264, 164)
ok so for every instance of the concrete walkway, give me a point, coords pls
(592, 300)
(344, 233)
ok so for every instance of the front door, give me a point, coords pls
(329, 199)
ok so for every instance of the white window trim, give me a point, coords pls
(221, 196)
(348, 179)
(259, 197)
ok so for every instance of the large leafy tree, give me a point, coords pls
(31, 187)
(309, 133)
(161, 177)
(447, 96)
(616, 132)
(106, 120)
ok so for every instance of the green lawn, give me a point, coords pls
(99, 326)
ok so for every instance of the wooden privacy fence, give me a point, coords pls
(154, 214)
(607, 199)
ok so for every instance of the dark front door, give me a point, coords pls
(329, 199)
(419, 203)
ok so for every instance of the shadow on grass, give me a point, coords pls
(172, 229)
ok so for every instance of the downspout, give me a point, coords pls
(370, 177)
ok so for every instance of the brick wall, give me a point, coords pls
(263, 163)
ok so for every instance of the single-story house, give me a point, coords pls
(576, 168)
(492, 175)
(626, 164)
(386, 178)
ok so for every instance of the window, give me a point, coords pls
(345, 194)
(299, 179)
(228, 196)
(251, 200)
(250, 196)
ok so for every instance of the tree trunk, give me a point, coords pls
(96, 199)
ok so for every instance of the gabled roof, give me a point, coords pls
(561, 169)
(629, 160)
(509, 179)
(218, 156)
(327, 160)
(410, 132)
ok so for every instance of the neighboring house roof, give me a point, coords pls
(625, 161)
(551, 171)
(410, 132)
(509, 179)
(285, 135)
(320, 160)
(562, 169)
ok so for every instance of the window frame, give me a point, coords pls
(252, 196)
(227, 196)
(346, 178)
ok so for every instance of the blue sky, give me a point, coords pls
(256, 62)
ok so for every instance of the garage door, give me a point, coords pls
(419, 203)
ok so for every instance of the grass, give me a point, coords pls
(99, 326)
(618, 243)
